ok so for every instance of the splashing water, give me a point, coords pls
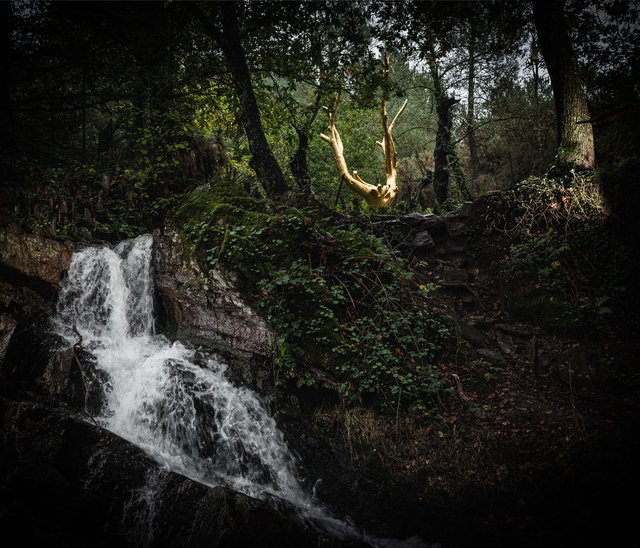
(173, 402)
(164, 397)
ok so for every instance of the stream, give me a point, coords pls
(172, 401)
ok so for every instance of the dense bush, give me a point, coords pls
(562, 265)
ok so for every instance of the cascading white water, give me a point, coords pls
(164, 397)
(170, 400)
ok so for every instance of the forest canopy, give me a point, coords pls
(148, 99)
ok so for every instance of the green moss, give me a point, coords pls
(345, 308)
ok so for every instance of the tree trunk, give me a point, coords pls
(298, 162)
(443, 143)
(575, 132)
(443, 133)
(471, 116)
(262, 158)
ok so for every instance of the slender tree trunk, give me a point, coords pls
(262, 158)
(298, 162)
(228, 40)
(444, 105)
(575, 132)
(535, 62)
(471, 115)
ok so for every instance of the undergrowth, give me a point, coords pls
(347, 311)
(561, 265)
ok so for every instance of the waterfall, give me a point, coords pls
(164, 397)
(172, 401)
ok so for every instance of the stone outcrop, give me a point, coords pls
(31, 268)
(204, 308)
(41, 259)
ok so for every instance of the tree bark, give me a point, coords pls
(575, 132)
(228, 40)
(471, 115)
(298, 162)
(444, 105)
(262, 159)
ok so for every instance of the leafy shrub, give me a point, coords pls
(561, 265)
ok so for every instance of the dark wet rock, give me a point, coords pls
(423, 222)
(31, 268)
(423, 241)
(472, 334)
(36, 362)
(204, 308)
(66, 482)
(43, 260)
(7, 326)
(411, 223)
(23, 304)
(462, 291)
(72, 378)
(27, 354)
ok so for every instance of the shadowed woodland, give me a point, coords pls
(428, 211)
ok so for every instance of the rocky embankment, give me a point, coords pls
(63, 478)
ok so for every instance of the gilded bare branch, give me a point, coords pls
(376, 196)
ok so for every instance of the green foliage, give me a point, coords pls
(346, 310)
(159, 147)
(561, 266)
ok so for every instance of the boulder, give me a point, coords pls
(66, 482)
(31, 268)
(423, 241)
(72, 378)
(41, 259)
(204, 308)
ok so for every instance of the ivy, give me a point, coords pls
(343, 305)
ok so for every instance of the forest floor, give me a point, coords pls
(535, 446)
(539, 441)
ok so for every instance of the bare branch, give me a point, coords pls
(376, 196)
